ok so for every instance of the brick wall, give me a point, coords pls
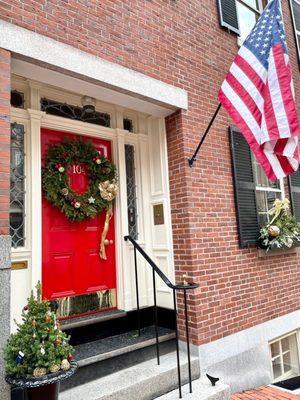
(4, 140)
(181, 43)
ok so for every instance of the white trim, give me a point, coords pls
(147, 128)
(71, 61)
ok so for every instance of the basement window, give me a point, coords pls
(285, 357)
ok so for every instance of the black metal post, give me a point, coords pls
(177, 345)
(156, 322)
(193, 158)
(188, 341)
(137, 292)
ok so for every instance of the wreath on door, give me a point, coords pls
(101, 173)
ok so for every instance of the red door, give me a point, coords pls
(70, 250)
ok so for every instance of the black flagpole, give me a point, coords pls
(193, 158)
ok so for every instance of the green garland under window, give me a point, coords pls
(101, 177)
(283, 231)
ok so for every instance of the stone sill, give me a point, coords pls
(278, 252)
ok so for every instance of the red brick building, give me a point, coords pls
(151, 70)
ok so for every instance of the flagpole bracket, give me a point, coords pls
(193, 158)
(191, 161)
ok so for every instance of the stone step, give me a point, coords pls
(105, 356)
(202, 390)
(144, 381)
(92, 319)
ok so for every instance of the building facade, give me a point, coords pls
(152, 70)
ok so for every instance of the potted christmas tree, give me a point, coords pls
(38, 356)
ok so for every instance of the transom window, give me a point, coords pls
(266, 192)
(75, 112)
(285, 357)
(248, 12)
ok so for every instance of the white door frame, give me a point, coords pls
(149, 140)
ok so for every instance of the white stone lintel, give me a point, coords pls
(63, 58)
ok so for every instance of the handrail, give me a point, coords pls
(157, 269)
(174, 287)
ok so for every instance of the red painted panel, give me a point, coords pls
(70, 250)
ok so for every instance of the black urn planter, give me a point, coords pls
(42, 388)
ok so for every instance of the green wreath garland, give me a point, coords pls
(101, 176)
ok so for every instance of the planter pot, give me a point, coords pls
(45, 387)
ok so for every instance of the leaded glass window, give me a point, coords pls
(131, 191)
(74, 112)
(17, 99)
(128, 124)
(17, 186)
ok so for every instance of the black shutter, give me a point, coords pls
(294, 185)
(228, 15)
(247, 219)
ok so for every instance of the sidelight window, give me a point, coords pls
(131, 191)
(17, 186)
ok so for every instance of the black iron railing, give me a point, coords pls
(181, 287)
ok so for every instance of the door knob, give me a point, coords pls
(107, 242)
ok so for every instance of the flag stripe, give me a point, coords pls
(255, 64)
(248, 84)
(242, 125)
(238, 104)
(277, 100)
(242, 93)
(249, 72)
(284, 80)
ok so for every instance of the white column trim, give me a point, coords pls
(34, 183)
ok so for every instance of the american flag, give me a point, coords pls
(258, 94)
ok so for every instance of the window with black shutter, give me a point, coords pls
(228, 15)
(295, 12)
(245, 198)
(239, 16)
(254, 193)
(294, 186)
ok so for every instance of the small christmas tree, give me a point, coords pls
(39, 346)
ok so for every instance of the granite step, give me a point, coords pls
(92, 319)
(144, 381)
(106, 356)
(202, 390)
